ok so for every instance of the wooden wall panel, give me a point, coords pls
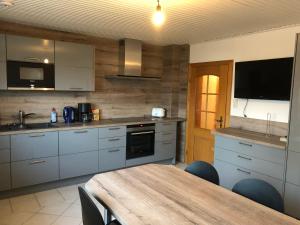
(116, 98)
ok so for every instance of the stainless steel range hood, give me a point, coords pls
(130, 58)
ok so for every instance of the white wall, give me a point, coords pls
(265, 45)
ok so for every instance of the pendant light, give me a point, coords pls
(158, 17)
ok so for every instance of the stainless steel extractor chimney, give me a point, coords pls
(130, 58)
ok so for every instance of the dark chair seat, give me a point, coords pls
(203, 170)
(261, 192)
(90, 212)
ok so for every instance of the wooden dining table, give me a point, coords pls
(156, 194)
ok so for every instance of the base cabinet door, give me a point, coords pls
(5, 177)
(111, 159)
(78, 164)
(165, 150)
(36, 171)
(292, 199)
(230, 174)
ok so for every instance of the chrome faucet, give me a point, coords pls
(22, 117)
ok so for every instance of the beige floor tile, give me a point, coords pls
(15, 218)
(69, 193)
(25, 203)
(50, 197)
(55, 209)
(63, 220)
(41, 219)
(73, 211)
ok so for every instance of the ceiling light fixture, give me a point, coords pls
(158, 17)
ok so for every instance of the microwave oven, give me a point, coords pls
(30, 76)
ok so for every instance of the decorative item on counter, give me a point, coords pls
(96, 114)
(53, 118)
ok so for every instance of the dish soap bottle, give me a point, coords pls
(53, 118)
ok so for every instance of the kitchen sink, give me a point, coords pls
(29, 126)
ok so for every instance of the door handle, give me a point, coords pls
(140, 133)
(114, 139)
(243, 157)
(80, 132)
(38, 135)
(116, 150)
(220, 121)
(249, 145)
(244, 171)
(37, 162)
(114, 128)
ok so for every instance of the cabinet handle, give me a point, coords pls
(37, 162)
(32, 59)
(114, 128)
(243, 157)
(75, 88)
(38, 135)
(244, 171)
(116, 150)
(249, 145)
(114, 139)
(80, 132)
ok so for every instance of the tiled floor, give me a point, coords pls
(60, 206)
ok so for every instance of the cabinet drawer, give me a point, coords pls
(79, 164)
(111, 159)
(112, 142)
(230, 174)
(4, 142)
(34, 145)
(31, 172)
(165, 150)
(5, 177)
(166, 127)
(165, 136)
(5, 156)
(112, 132)
(248, 148)
(261, 166)
(76, 141)
(139, 161)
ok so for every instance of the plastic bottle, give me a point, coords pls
(53, 118)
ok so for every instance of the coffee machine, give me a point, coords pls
(85, 112)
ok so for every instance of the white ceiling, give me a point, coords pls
(187, 21)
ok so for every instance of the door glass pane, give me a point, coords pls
(203, 102)
(211, 121)
(204, 80)
(212, 103)
(213, 84)
(203, 120)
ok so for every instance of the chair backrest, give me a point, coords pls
(261, 192)
(203, 170)
(90, 212)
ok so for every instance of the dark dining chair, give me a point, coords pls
(260, 192)
(203, 170)
(90, 212)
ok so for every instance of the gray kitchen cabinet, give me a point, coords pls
(140, 161)
(110, 132)
(75, 141)
(79, 164)
(4, 155)
(292, 186)
(28, 49)
(4, 142)
(74, 67)
(165, 141)
(112, 142)
(34, 145)
(3, 80)
(35, 171)
(111, 159)
(5, 183)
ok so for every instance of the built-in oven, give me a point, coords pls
(30, 76)
(140, 140)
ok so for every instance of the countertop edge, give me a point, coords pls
(105, 123)
(216, 132)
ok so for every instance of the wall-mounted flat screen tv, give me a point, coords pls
(264, 79)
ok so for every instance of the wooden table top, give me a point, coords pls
(165, 195)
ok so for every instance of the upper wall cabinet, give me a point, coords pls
(3, 82)
(28, 49)
(74, 67)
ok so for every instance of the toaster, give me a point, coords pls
(158, 112)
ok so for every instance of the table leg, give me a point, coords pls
(107, 216)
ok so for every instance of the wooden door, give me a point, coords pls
(209, 97)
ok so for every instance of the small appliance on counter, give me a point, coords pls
(69, 114)
(96, 114)
(158, 112)
(85, 112)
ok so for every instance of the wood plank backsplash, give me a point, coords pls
(115, 98)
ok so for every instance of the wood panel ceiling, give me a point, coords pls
(187, 21)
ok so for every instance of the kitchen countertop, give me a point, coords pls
(251, 136)
(93, 124)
